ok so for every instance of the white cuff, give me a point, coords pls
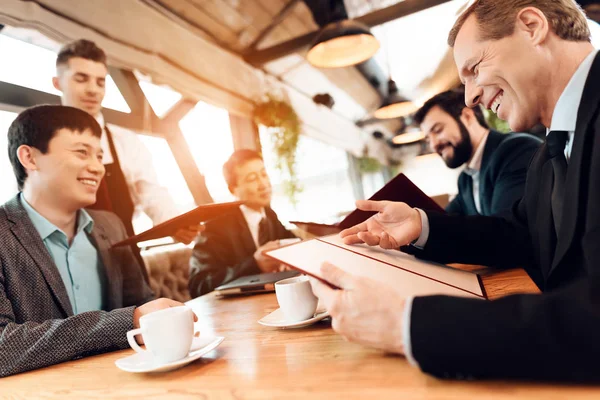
(422, 240)
(406, 332)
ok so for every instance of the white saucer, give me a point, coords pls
(144, 362)
(277, 320)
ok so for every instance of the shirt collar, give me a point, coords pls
(564, 117)
(475, 163)
(46, 228)
(100, 120)
(251, 214)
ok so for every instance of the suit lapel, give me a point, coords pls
(468, 194)
(589, 104)
(113, 291)
(544, 221)
(245, 236)
(493, 141)
(29, 238)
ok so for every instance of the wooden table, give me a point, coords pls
(256, 362)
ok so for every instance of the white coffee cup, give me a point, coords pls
(167, 334)
(296, 299)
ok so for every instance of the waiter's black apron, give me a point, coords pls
(113, 195)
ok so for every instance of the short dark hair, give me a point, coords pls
(238, 158)
(452, 102)
(36, 126)
(81, 48)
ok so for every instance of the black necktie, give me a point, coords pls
(263, 232)
(556, 141)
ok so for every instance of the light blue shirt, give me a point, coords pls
(79, 265)
(564, 118)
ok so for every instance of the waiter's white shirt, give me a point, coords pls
(136, 163)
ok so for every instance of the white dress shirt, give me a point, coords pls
(136, 162)
(564, 118)
(253, 219)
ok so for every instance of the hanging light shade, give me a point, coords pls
(394, 105)
(408, 137)
(341, 44)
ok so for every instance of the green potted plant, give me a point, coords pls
(284, 126)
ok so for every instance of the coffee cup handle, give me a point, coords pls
(131, 339)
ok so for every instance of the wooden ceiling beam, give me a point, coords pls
(375, 18)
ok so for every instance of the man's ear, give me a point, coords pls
(467, 116)
(56, 83)
(533, 23)
(26, 155)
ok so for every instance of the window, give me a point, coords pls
(169, 176)
(8, 183)
(208, 134)
(323, 172)
(35, 66)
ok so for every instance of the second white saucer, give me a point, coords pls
(277, 320)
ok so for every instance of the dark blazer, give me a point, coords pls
(553, 336)
(37, 325)
(501, 177)
(225, 251)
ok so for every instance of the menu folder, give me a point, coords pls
(203, 213)
(398, 189)
(406, 273)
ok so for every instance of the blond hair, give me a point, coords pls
(496, 18)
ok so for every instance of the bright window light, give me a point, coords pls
(208, 134)
(8, 183)
(35, 66)
(161, 98)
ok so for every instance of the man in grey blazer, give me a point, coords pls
(64, 293)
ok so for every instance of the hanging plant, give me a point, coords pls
(284, 127)
(368, 165)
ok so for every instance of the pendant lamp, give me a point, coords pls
(394, 105)
(342, 44)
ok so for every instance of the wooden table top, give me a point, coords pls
(257, 362)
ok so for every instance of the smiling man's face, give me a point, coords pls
(82, 83)
(502, 75)
(71, 169)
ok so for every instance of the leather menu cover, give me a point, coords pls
(199, 214)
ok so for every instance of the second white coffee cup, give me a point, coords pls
(167, 334)
(296, 299)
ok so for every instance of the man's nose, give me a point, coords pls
(96, 167)
(473, 94)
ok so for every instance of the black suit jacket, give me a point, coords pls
(555, 335)
(225, 251)
(37, 325)
(501, 177)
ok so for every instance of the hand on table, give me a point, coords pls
(394, 225)
(151, 306)
(188, 234)
(363, 311)
(265, 263)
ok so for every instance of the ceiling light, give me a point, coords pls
(342, 44)
(408, 137)
(394, 105)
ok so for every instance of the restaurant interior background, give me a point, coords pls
(216, 59)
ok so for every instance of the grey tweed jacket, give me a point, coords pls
(37, 325)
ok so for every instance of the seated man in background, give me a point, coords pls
(496, 163)
(64, 293)
(232, 246)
